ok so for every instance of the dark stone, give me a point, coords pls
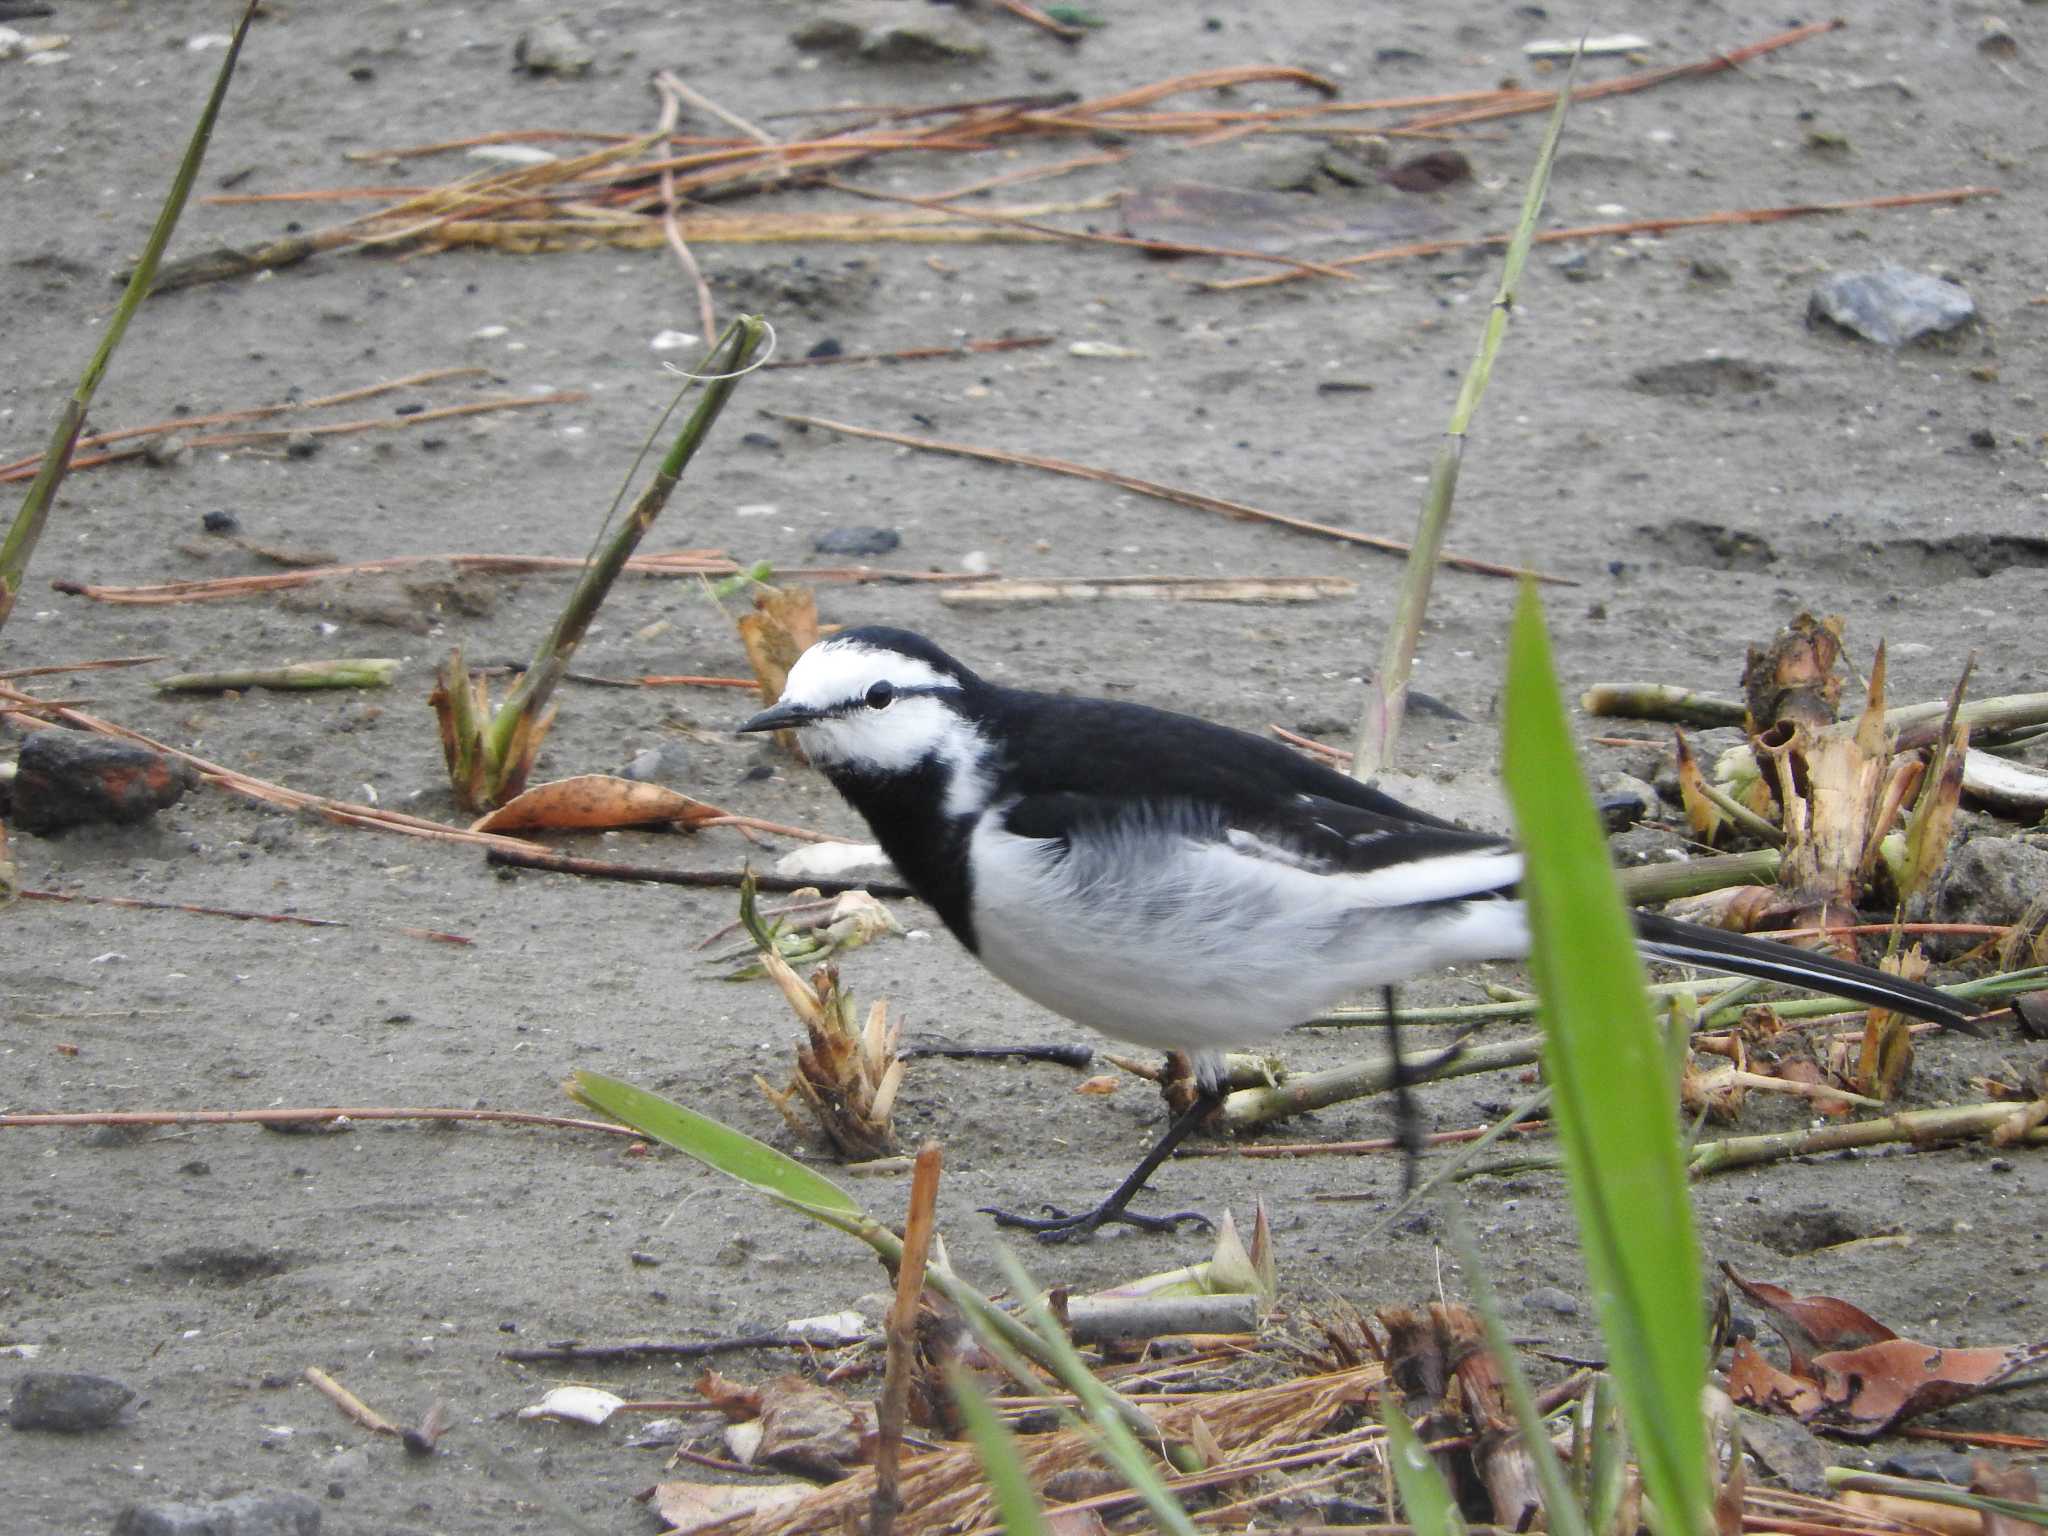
(246, 1514)
(855, 540)
(68, 1402)
(221, 522)
(70, 779)
(759, 440)
(829, 347)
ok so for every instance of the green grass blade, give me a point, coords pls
(27, 528)
(731, 1152)
(1613, 1100)
(1017, 1502)
(1431, 1509)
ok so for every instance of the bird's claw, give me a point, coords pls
(1059, 1226)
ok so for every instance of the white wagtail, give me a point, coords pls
(1173, 882)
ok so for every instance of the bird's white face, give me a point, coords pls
(873, 708)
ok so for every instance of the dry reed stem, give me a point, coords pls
(1153, 488)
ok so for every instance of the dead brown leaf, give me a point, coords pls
(1866, 1391)
(1753, 1382)
(592, 802)
(1810, 1325)
(783, 625)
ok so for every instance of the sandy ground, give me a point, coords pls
(208, 1267)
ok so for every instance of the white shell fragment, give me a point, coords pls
(836, 861)
(1596, 47)
(574, 1405)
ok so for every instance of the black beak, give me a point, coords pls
(780, 717)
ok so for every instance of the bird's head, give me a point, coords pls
(875, 700)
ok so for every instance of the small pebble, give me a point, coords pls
(1890, 306)
(1548, 1298)
(552, 48)
(673, 341)
(221, 522)
(829, 347)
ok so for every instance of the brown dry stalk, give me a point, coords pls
(311, 1116)
(1649, 226)
(1153, 488)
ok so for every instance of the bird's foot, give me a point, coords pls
(1058, 1226)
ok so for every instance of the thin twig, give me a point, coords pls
(251, 413)
(350, 1404)
(1617, 230)
(325, 1115)
(914, 354)
(1153, 488)
(1024, 10)
(14, 674)
(144, 904)
(324, 429)
(686, 562)
(534, 857)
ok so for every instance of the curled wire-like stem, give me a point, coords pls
(767, 352)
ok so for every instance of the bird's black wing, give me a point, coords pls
(1099, 748)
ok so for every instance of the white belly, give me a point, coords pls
(1183, 945)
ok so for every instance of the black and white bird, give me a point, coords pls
(1173, 882)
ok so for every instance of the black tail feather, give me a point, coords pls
(1668, 938)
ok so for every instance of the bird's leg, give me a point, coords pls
(1407, 1113)
(1058, 1226)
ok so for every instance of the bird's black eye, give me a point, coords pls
(881, 695)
